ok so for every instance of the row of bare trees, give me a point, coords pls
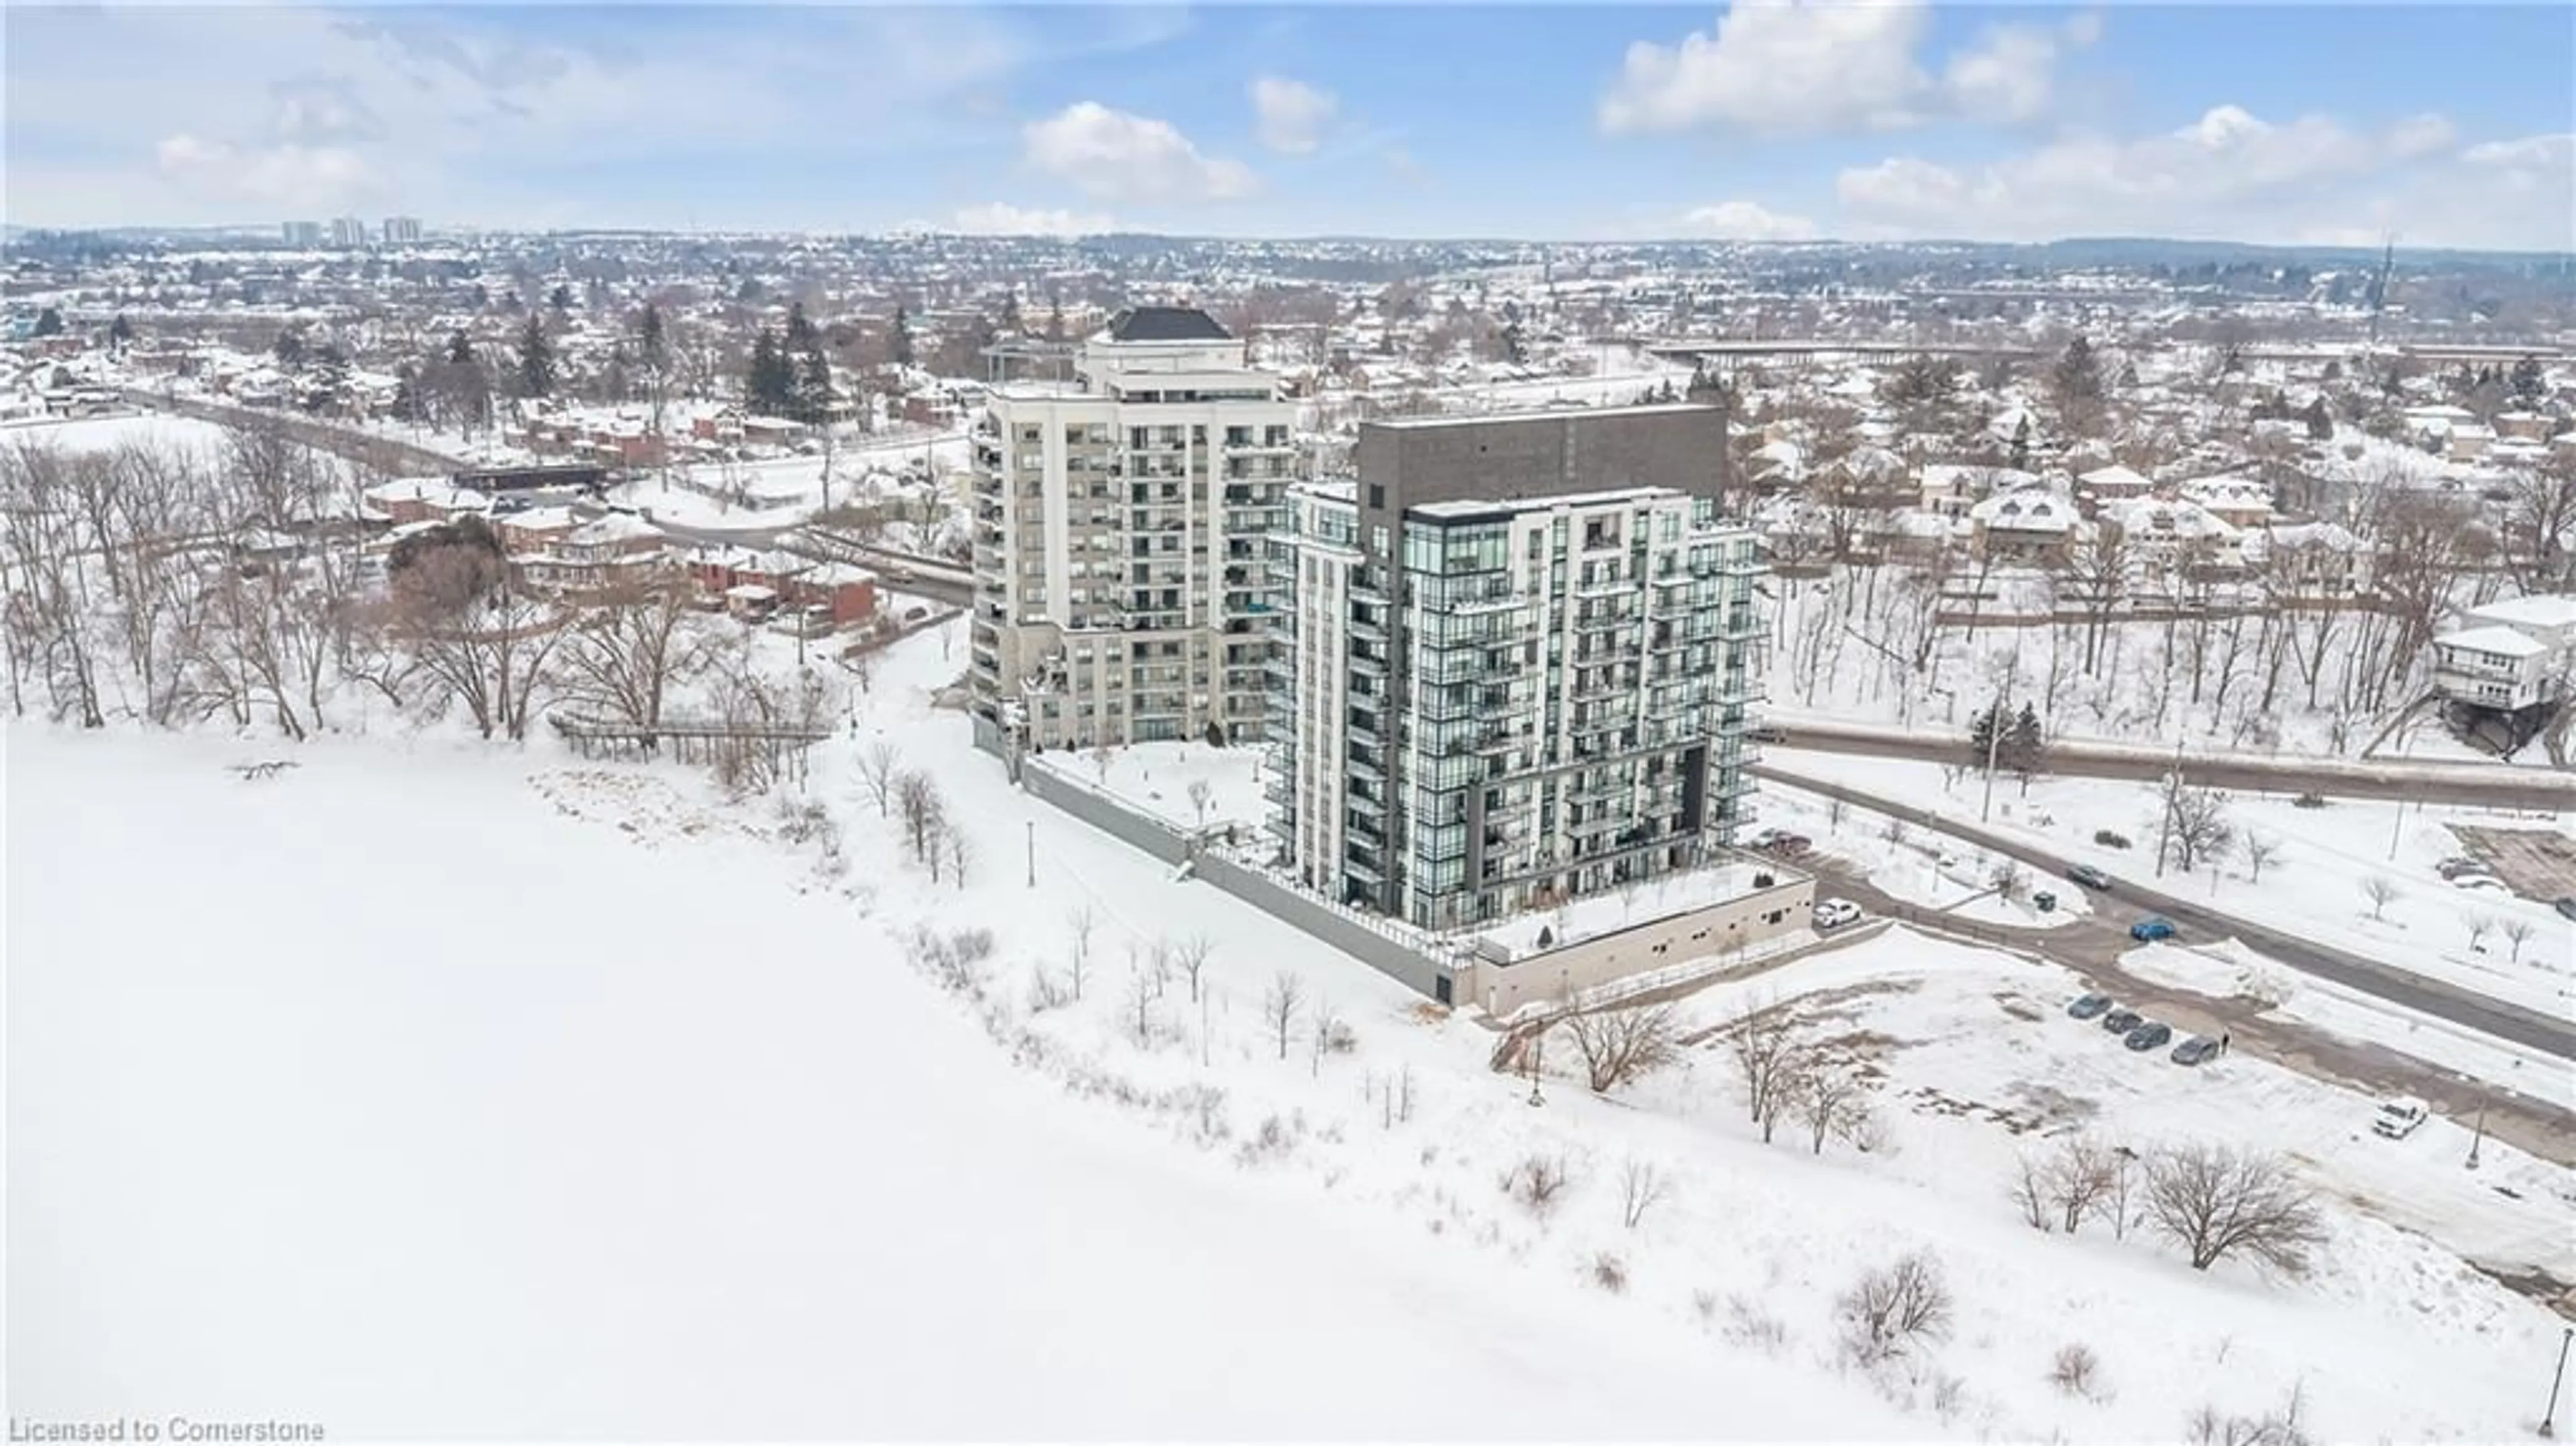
(2215, 1201)
(175, 587)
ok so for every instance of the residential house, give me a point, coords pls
(2176, 536)
(1952, 488)
(2114, 483)
(598, 555)
(425, 499)
(2508, 655)
(2309, 562)
(2032, 526)
(751, 581)
(2236, 501)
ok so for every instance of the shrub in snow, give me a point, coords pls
(1892, 1309)
(2206, 1427)
(1750, 1326)
(1536, 1182)
(2077, 1371)
(1621, 1045)
(1610, 1273)
(2110, 838)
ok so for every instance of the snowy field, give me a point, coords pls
(784, 491)
(1163, 779)
(2326, 862)
(512, 1096)
(159, 431)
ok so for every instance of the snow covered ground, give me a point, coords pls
(160, 431)
(508, 1095)
(1159, 779)
(2325, 863)
(1922, 867)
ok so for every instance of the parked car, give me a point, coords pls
(1834, 913)
(2089, 876)
(2089, 1006)
(2400, 1117)
(2458, 864)
(2566, 906)
(2121, 1021)
(1767, 733)
(2198, 1049)
(2149, 1035)
(2151, 928)
(1788, 845)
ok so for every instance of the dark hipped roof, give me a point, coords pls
(1166, 323)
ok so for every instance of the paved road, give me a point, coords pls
(2481, 785)
(2529, 1027)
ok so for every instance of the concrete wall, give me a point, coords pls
(1346, 930)
(1720, 928)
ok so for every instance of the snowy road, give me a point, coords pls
(2479, 785)
(2398, 986)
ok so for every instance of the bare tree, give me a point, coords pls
(1771, 1061)
(2260, 850)
(1621, 1045)
(1191, 957)
(1202, 798)
(1079, 919)
(917, 800)
(1279, 1005)
(2198, 831)
(623, 652)
(2030, 1191)
(960, 853)
(2480, 925)
(1536, 1182)
(1641, 1185)
(1830, 1101)
(2080, 1178)
(2517, 932)
(1102, 755)
(1325, 1033)
(1142, 992)
(880, 763)
(1888, 1311)
(2382, 891)
(2217, 1200)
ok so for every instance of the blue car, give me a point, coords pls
(2151, 928)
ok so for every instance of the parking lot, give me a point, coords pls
(2539, 864)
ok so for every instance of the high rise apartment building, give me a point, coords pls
(1517, 656)
(1121, 525)
(402, 230)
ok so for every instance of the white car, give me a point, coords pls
(2400, 1117)
(1834, 913)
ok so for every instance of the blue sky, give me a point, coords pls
(1775, 120)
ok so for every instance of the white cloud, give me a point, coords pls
(1746, 221)
(1115, 156)
(290, 177)
(2233, 175)
(1776, 66)
(1290, 115)
(2011, 74)
(1000, 218)
(1802, 67)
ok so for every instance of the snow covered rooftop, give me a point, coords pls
(2540, 610)
(2499, 640)
(1516, 939)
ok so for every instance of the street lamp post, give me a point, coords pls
(2549, 1418)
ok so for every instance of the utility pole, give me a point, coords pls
(1994, 750)
(2173, 792)
(1033, 853)
(2480, 1138)
(2549, 1418)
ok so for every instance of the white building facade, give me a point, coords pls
(1548, 699)
(2509, 655)
(1121, 521)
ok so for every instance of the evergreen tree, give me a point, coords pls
(2024, 750)
(770, 382)
(49, 322)
(460, 350)
(289, 348)
(1055, 319)
(651, 346)
(2021, 444)
(2529, 385)
(2079, 374)
(535, 368)
(1011, 312)
(1981, 738)
(2320, 422)
(120, 334)
(561, 300)
(406, 406)
(899, 347)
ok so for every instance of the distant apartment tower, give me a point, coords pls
(301, 233)
(1121, 521)
(348, 232)
(402, 230)
(1517, 659)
